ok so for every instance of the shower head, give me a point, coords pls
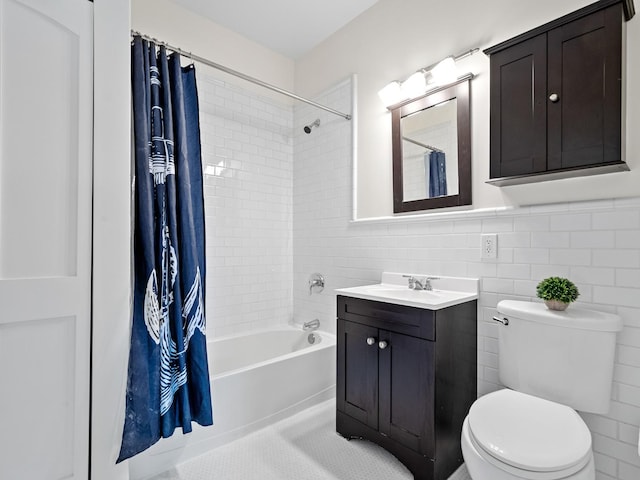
(307, 128)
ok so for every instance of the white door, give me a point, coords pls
(45, 237)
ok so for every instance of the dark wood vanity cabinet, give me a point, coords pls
(406, 379)
(555, 97)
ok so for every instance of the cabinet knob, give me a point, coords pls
(371, 341)
(554, 97)
(382, 344)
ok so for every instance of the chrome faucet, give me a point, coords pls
(316, 280)
(311, 325)
(415, 284)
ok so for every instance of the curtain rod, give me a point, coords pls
(428, 147)
(240, 74)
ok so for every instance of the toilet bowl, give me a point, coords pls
(510, 435)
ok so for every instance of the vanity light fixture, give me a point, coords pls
(436, 75)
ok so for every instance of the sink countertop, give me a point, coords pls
(447, 291)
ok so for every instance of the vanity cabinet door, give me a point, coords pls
(406, 391)
(357, 379)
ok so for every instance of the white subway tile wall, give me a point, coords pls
(247, 158)
(279, 203)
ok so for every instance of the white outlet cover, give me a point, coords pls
(489, 245)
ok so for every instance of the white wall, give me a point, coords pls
(247, 153)
(173, 24)
(111, 235)
(595, 243)
(322, 205)
(395, 37)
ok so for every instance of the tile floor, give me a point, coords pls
(302, 447)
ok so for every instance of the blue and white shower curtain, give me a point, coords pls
(437, 167)
(168, 379)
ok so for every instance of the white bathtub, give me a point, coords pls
(256, 379)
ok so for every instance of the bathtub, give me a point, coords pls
(257, 379)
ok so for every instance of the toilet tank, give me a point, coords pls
(566, 357)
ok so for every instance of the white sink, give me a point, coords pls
(447, 291)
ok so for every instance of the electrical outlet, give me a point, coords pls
(489, 245)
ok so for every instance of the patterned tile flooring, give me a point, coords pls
(302, 447)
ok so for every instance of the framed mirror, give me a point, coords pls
(431, 138)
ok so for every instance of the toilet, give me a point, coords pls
(552, 363)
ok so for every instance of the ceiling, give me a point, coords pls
(290, 27)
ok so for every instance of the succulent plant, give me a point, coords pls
(557, 288)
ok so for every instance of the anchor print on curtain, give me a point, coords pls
(168, 376)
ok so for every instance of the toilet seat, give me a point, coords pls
(528, 436)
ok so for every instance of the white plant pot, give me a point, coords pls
(556, 305)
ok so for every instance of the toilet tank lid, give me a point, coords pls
(572, 317)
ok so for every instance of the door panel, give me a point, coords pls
(38, 366)
(518, 109)
(357, 387)
(45, 237)
(585, 70)
(38, 126)
(407, 375)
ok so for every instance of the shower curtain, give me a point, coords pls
(168, 377)
(437, 173)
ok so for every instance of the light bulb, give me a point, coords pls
(445, 72)
(415, 85)
(392, 93)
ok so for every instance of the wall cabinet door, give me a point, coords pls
(584, 72)
(406, 391)
(357, 386)
(519, 109)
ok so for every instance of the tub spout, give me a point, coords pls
(311, 325)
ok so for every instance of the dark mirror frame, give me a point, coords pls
(460, 91)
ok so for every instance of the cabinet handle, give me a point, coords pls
(382, 344)
(554, 97)
(371, 341)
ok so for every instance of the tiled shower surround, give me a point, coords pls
(282, 210)
(247, 154)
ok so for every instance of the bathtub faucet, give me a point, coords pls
(311, 325)
(316, 280)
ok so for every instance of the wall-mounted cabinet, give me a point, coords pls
(556, 97)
